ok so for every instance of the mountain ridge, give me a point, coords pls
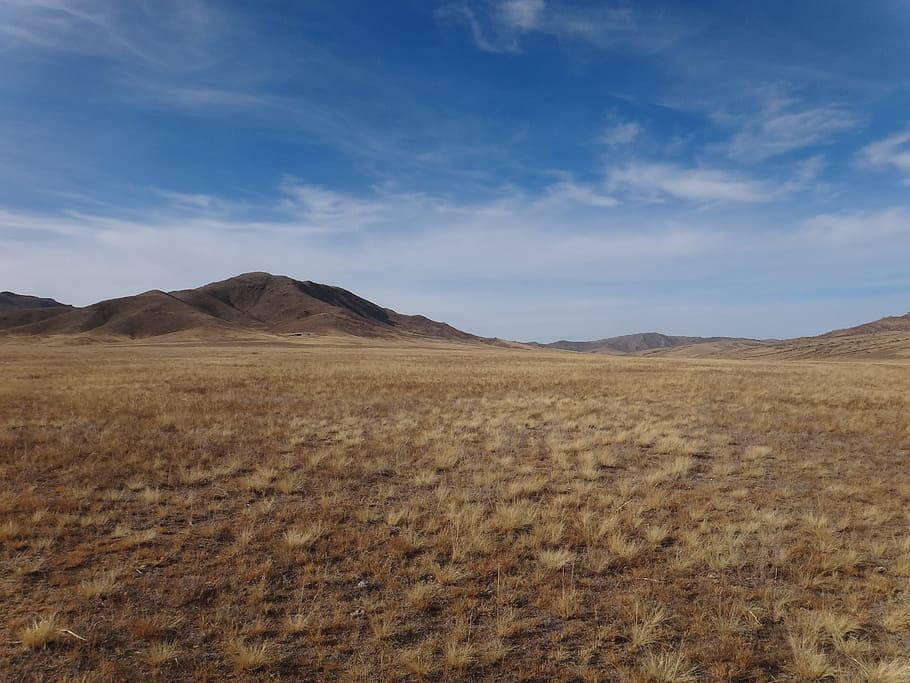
(250, 303)
(630, 343)
(888, 337)
(12, 300)
(257, 304)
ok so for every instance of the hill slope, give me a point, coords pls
(887, 338)
(21, 309)
(881, 339)
(252, 303)
(12, 300)
(894, 323)
(631, 343)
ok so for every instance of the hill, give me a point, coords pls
(10, 300)
(887, 338)
(631, 343)
(17, 310)
(900, 323)
(248, 304)
(881, 339)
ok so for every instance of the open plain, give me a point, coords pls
(321, 509)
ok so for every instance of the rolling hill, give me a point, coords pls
(630, 343)
(241, 306)
(17, 310)
(887, 338)
(894, 323)
(10, 300)
(881, 339)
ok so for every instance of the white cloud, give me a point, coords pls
(656, 180)
(782, 127)
(176, 36)
(570, 192)
(320, 205)
(893, 151)
(762, 120)
(620, 134)
(500, 25)
(869, 228)
(522, 14)
(806, 176)
(488, 35)
(199, 201)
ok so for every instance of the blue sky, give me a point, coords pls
(530, 169)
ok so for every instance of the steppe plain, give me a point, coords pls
(324, 508)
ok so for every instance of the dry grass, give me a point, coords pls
(339, 511)
(39, 633)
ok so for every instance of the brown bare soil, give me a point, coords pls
(376, 511)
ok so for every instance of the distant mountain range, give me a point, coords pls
(631, 343)
(249, 305)
(258, 305)
(885, 338)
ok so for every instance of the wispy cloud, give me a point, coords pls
(568, 192)
(893, 151)
(198, 201)
(620, 134)
(865, 227)
(179, 36)
(489, 35)
(500, 25)
(654, 181)
(523, 15)
(806, 174)
(783, 126)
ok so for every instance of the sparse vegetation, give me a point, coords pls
(338, 510)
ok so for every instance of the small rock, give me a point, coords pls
(362, 584)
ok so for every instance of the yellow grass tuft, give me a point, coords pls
(159, 654)
(556, 559)
(99, 586)
(249, 657)
(303, 538)
(39, 633)
(668, 667)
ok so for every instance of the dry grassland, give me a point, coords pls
(314, 513)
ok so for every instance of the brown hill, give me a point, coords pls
(252, 303)
(145, 315)
(10, 300)
(887, 338)
(22, 309)
(894, 323)
(631, 343)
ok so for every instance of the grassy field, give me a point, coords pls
(373, 513)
